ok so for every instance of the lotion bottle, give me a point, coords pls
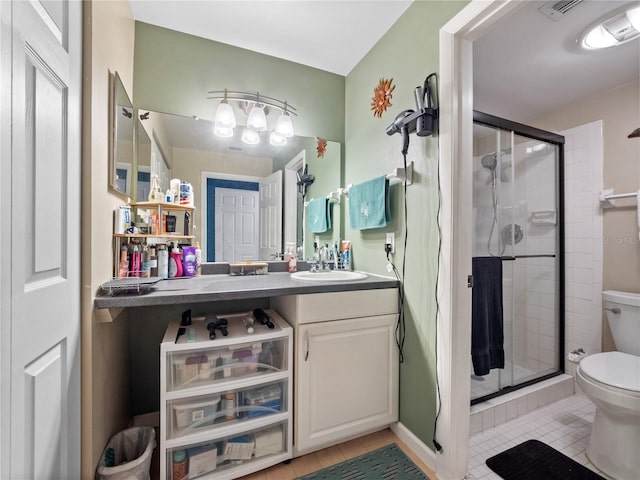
(175, 263)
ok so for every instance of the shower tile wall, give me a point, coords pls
(583, 239)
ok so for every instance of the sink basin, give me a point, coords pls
(330, 276)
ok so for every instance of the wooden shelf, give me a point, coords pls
(163, 205)
(151, 235)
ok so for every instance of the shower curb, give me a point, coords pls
(506, 407)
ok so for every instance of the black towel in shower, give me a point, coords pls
(487, 336)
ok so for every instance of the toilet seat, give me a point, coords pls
(614, 369)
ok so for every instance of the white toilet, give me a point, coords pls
(611, 380)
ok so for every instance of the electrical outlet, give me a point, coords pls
(391, 240)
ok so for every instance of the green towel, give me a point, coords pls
(369, 204)
(319, 215)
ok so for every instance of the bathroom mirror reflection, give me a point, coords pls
(248, 203)
(121, 157)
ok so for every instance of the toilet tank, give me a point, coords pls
(625, 324)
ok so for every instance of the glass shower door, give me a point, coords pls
(516, 205)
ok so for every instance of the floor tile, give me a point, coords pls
(565, 425)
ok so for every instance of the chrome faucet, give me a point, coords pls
(323, 254)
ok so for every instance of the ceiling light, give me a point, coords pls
(284, 126)
(250, 136)
(225, 116)
(257, 108)
(221, 131)
(633, 16)
(276, 139)
(257, 118)
(616, 28)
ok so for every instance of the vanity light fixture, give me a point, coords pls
(250, 136)
(284, 127)
(276, 139)
(257, 118)
(257, 108)
(618, 27)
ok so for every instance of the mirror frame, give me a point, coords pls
(115, 83)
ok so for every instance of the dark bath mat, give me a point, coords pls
(386, 463)
(534, 460)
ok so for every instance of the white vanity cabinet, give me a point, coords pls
(346, 364)
(225, 404)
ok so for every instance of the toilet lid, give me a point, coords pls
(617, 369)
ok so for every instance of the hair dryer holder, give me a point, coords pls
(423, 120)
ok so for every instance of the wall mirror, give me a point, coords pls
(121, 164)
(248, 203)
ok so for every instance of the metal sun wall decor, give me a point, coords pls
(382, 95)
(322, 147)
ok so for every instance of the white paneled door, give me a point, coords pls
(236, 225)
(40, 45)
(271, 216)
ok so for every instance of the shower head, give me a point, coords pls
(489, 161)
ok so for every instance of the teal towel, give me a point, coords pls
(319, 215)
(369, 204)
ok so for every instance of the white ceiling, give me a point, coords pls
(329, 35)
(529, 65)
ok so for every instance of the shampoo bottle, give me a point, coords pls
(163, 261)
(175, 263)
(153, 261)
(135, 261)
(198, 259)
(123, 268)
(145, 264)
(189, 260)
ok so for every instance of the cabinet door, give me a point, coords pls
(346, 380)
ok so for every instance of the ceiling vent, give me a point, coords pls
(557, 10)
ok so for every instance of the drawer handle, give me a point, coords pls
(306, 341)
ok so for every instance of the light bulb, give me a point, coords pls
(257, 118)
(599, 38)
(284, 126)
(277, 140)
(225, 116)
(634, 17)
(250, 136)
(222, 131)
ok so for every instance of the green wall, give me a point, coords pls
(173, 72)
(408, 52)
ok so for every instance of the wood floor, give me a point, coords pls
(336, 454)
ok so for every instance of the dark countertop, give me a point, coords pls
(208, 288)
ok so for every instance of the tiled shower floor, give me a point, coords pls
(564, 425)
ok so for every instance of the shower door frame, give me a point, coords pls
(557, 140)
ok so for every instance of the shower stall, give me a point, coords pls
(518, 218)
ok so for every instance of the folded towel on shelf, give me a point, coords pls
(319, 215)
(369, 204)
(487, 335)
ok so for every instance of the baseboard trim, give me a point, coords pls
(416, 445)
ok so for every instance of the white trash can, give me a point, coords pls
(128, 455)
